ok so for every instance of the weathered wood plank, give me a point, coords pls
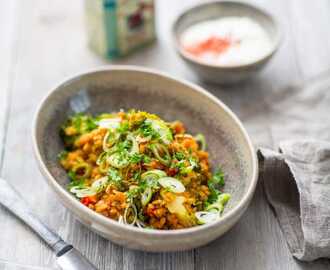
(8, 30)
(311, 35)
(52, 45)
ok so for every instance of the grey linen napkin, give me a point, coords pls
(297, 185)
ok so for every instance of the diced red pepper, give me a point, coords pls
(88, 200)
(172, 171)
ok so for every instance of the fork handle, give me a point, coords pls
(11, 200)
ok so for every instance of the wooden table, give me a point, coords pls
(44, 41)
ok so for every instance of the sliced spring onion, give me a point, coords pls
(174, 185)
(110, 139)
(146, 196)
(161, 153)
(224, 198)
(130, 212)
(103, 167)
(215, 207)
(82, 170)
(100, 184)
(121, 219)
(109, 123)
(204, 217)
(201, 140)
(95, 188)
(118, 160)
(189, 169)
(162, 129)
(153, 174)
(135, 146)
(140, 224)
(220, 203)
(82, 192)
(101, 158)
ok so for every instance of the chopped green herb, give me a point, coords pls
(72, 175)
(218, 178)
(194, 163)
(83, 123)
(62, 155)
(217, 181)
(136, 158)
(146, 159)
(123, 127)
(146, 130)
(179, 156)
(114, 177)
(75, 182)
(136, 175)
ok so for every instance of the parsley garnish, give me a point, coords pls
(214, 184)
(83, 123)
(218, 178)
(136, 158)
(146, 130)
(114, 177)
(62, 155)
(75, 182)
(146, 159)
(179, 156)
(136, 175)
(123, 127)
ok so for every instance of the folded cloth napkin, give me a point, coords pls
(297, 185)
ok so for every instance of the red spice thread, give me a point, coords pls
(215, 45)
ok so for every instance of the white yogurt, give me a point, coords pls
(249, 41)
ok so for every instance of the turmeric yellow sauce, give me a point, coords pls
(136, 168)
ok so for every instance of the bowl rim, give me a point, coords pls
(107, 222)
(276, 44)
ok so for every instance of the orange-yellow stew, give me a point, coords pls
(136, 168)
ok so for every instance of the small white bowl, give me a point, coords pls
(219, 9)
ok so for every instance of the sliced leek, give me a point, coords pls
(109, 123)
(130, 215)
(146, 196)
(204, 217)
(110, 139)
(161, 153)
(162, 129)
(220, 203)
(118, 160)
(201, 140)
(135, 146)
(153, 174)
(98, 186)
(173, 184)
(82, 170)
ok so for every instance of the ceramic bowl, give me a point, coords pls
(219, 9)
(124, 87)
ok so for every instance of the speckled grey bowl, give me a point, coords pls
(219, 9)
(123, 87)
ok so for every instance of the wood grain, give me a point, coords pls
(44, 41)
(8, 56)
